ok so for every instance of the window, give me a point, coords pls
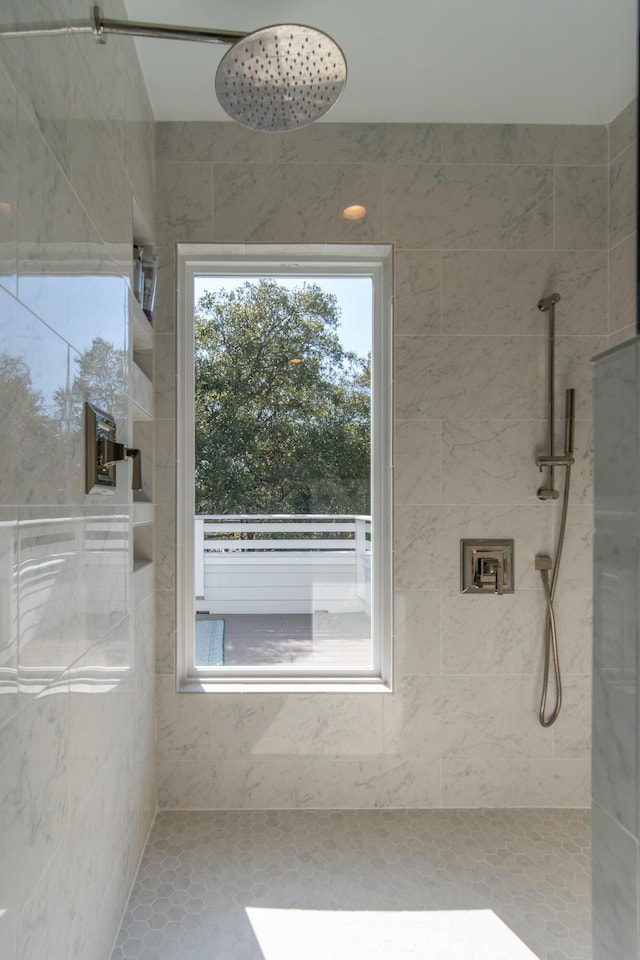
(284, 500)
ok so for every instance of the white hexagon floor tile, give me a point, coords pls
(362, 885)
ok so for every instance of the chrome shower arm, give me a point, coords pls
(99, 27)
(161, 31)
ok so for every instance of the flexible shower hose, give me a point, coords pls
(551, 636)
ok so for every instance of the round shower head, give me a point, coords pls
(281, 77)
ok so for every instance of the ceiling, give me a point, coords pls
(464, 61)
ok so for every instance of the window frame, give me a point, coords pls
(274, 260)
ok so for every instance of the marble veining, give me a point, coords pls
(497, 292)
(470, 206)
(581, 208)
(623, 193)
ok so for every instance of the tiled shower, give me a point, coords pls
(484, 220)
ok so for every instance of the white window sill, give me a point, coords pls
(278, 686)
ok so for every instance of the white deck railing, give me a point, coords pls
(291, 563)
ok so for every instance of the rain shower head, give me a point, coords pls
(277, 78)
(281, 77)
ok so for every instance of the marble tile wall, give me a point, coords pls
(616, 756)
(485, 220)
(77, 774)
(623, 147)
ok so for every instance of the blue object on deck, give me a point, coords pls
(209, 643)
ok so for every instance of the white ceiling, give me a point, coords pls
(465, 61)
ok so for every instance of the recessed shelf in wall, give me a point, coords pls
(141, 329)
(140, 394)
(142, 512)
(142, 545)
(141, 337)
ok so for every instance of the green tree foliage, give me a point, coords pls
(28, 434)
(274, 436)
(99, 377)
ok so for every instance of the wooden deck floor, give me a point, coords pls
(325, 639)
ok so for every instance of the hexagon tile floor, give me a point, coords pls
(362, 885)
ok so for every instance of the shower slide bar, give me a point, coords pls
(548, 568)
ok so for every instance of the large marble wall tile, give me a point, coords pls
(54, 231)
(165, 631)
(417, 461)
(469, 206)
(623, 130)
(184, 724)
(574, 369)
(184, 193)
(582, 470)
(326, 784)
(343, 725)
(581, 208)
(523, 143)
(497, 292)
(165, 547)
(185, 785)
(139, 139)
(574, 621)
(279, 202)
(218, 142)
(416, 632)
(491, 461)
(576, 572)
(96, 156)
(572, 730)
(9, 943)
(516, 783)
(299, 784)
(387, 782)
(623, 194)
(33, 793)
(427, 541)
(165, 461)
(622, 284)
(100, 76)
(8, 184)
(72, 586)
(358, 143)
(492, 635)
(49, 916)
(465, 717)
(417, 302)
(164, 376)
(98, 710)
(456, 378)
(143, 643)
(8, 613)
(40, 69)
(615, 888)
